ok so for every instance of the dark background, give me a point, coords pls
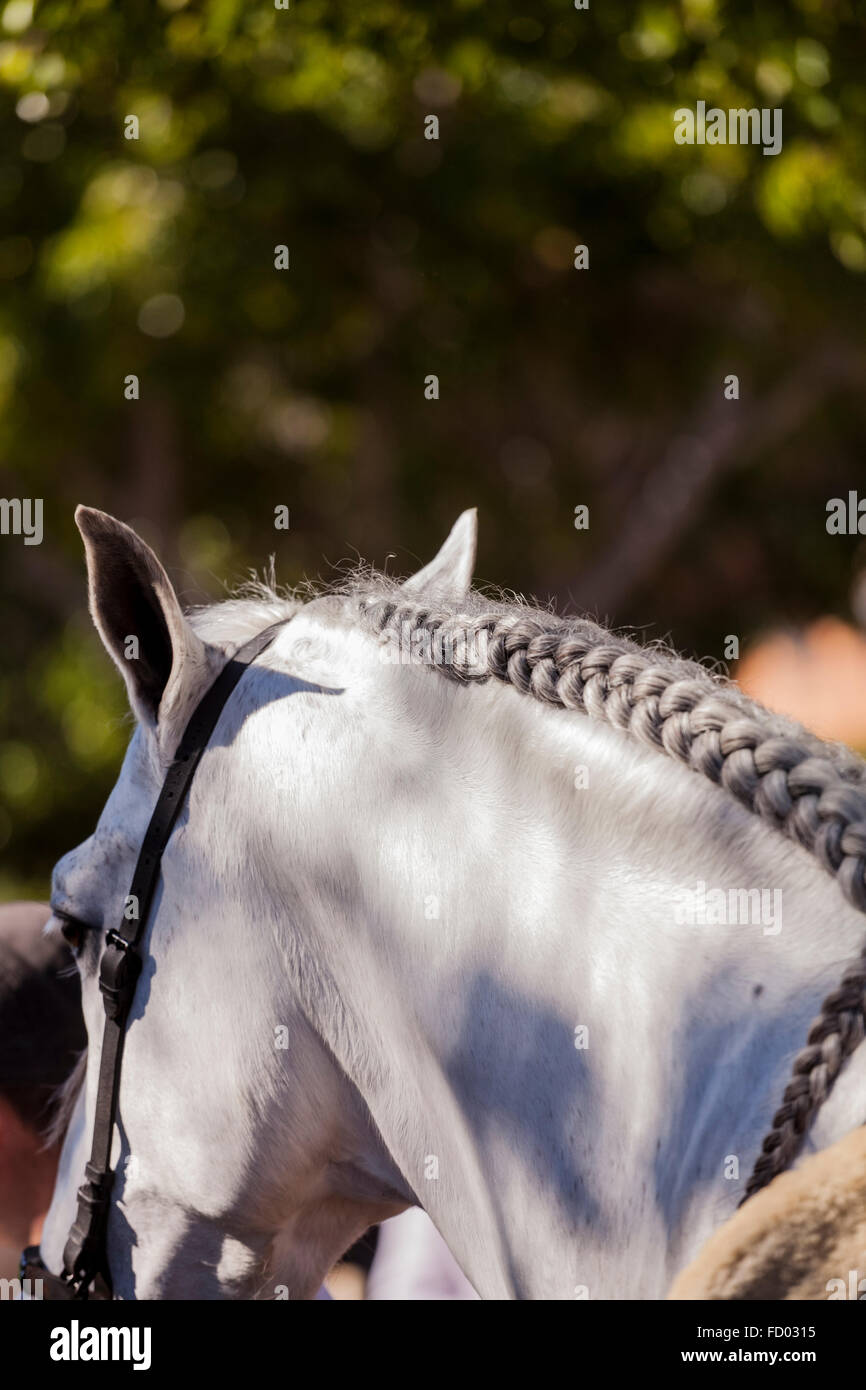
(305, 387)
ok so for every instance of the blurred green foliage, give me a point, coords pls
(304, 126)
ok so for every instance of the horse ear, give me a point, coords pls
(138, 616)
(448, 578)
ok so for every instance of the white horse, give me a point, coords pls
(492, 932)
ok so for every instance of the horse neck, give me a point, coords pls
(556, 1064)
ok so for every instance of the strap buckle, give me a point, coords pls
(84, 1259)
(118, 974)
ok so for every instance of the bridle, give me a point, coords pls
(86, 1274)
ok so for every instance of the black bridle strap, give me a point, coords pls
(85, 1260)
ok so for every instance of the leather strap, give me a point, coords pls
(85, 1259)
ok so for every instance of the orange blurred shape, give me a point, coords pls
(817, 676)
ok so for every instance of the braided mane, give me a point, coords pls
(813, 791)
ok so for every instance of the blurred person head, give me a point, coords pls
(41, 1033)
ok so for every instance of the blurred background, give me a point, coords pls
(304, 387)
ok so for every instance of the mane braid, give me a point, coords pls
(812, 791)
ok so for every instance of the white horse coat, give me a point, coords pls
(456, 907)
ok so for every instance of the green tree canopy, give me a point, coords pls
(304, 127)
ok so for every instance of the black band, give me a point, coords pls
(85, 1260)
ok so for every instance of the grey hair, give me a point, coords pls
(810, 790)
(64, 1102)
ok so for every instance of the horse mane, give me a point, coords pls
(811, 790)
